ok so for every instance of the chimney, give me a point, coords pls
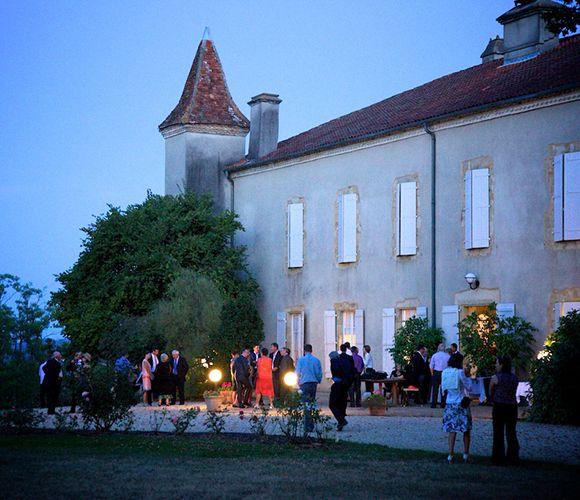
(263, 125)
(493, 51)
(525, 32)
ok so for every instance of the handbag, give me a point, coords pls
(465, 402)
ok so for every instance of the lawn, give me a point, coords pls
(206, 466)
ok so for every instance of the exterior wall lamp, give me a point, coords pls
(472, 281)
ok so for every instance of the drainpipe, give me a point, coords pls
(231, 181)
(433, 227)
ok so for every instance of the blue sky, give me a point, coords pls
(84, 85)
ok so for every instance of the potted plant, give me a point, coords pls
(213, 400)
(377, 404)
(227, 392)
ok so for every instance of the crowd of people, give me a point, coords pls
(259, 377)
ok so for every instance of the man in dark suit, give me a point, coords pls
(455, 351)
(420, 372)
(52, 381)
(276, 360)
(342, 373)
(179, 369)
(242, 376)
(254, 357)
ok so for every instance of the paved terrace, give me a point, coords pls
(414, 427)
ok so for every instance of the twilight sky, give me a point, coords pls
(84, 85)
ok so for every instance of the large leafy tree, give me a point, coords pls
(130, 257)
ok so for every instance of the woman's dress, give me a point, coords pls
(264, 384)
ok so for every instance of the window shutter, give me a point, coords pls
(347, 227)
(467, 213)
(572, 196)
(557, 314)
(449, 320)
(421, 312)
(297, 347)
(295, 235)
(329, 339)
(505, 310)
(388, 338)
(281, 329)
(480, 208)
(359, 328)
(407, 218)
(559, 198)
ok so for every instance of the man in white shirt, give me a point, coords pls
(438, 363)
(368, 365)
(154, 359)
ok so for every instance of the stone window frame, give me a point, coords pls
(476, 163)
(553, 151)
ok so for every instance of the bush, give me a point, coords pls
(184, 419)
(554, 374)
(19, 383)
(109, 398)
(20, 419)
(416, 331)
(484, 337)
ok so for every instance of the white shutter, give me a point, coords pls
(558, 198)
(407, 218)
(347, 227)
(388, 338)
(295, 235)
(421, 312)
(468, 210)
(281, 329)
(449, 320)
(480, 208)
(572, 196)
(329, 339)
(297, 338)
(557, 314)
(505, 310)
(359, 328)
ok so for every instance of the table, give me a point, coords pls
(395, 385)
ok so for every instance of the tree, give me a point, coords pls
(414, 332)
(485, 336)
(130, 258)
(563, 20)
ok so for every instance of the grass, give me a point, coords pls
(207, 466)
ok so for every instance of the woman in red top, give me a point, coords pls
(264, 384)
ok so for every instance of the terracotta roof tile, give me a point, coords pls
(467, 91)
(206, 99)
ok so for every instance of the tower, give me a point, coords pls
(205, 131)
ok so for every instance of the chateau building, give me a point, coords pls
(431, 203)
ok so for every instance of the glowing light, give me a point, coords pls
(215, 375)
(290, 379)
(542, 354)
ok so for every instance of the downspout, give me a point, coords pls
(232, 192)
(433, 226)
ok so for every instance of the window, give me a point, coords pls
(407, 218)
(296, 341)
(404, 314)
(347, 333)
(477, 208)
(567, 197)
(347, 227)
(563, 308)
(295, 235)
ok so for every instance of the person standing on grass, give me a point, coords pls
(438, 363)
(52, 381)
(354, 392)
(502, 392)
(147, 378)
(276, 358)
(456, 416)
(264, 384)
(309, 373)
(286, 366)
(179, 369)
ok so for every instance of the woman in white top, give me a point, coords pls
(456, 418)
(146, 377)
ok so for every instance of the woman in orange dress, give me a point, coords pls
(264, 384)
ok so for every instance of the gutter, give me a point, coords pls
(433, 225)
(410, 125)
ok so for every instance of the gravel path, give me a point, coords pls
(542, 442)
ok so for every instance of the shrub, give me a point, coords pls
(322, 423)
(484, 337)
(415, 331)
(109, 398)
(64, 421)
(20, 419)
(184, 419)
(290, 417)
(260, 423)
(156, 420)
(376, 400)
(215, 422)
(554, 374)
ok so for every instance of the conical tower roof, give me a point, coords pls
(206, 99)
